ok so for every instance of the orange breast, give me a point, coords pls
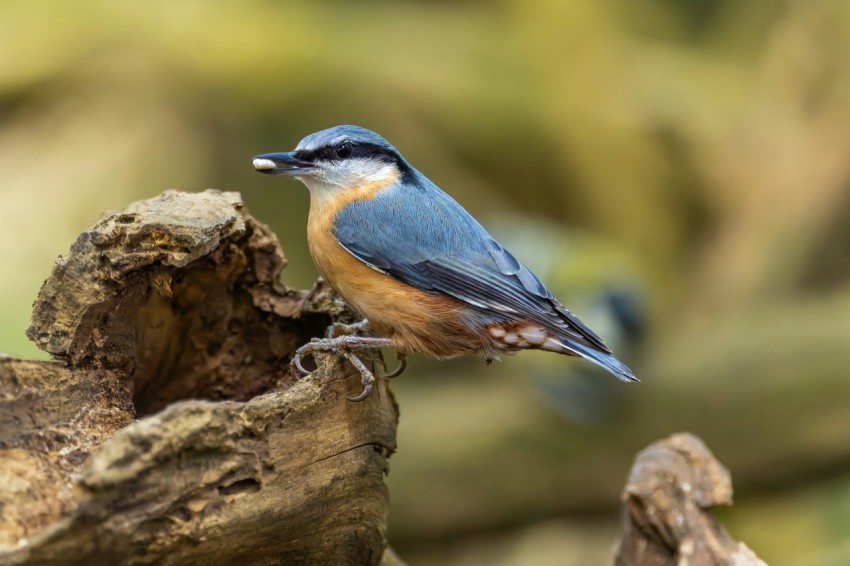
(417, 321)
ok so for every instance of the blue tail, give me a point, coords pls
(617, 368)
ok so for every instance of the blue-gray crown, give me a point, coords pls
(340, 134)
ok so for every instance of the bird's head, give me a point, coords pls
(337, 159)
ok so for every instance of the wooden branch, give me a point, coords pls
(172, 311)
(666, 517)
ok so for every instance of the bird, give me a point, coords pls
(427, 277)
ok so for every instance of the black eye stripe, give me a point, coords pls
(358, 149)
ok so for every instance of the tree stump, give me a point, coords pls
(169, 428)
(666, 502)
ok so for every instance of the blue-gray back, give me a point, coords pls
(418, 234)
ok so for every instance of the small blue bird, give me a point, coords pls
(426, 275)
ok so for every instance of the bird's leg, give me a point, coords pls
(341, 329)
(345, 346)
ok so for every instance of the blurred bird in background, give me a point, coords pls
(424, 273)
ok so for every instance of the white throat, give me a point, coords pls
(330, 178)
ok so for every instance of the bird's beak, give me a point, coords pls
(282, 164)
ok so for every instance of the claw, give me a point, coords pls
(366, 376)
(367, 389)
(344, 346)
(402, 364)
(299, 353)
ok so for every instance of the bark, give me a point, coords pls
(666, 517)
(169, 429)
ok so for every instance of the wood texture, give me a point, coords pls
(666, 509)
(171, 313)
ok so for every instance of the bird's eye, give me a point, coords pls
(344, 150)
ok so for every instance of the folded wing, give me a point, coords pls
(429, 241)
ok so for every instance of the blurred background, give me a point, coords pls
(677, 171)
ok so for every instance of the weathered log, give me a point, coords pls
(666, 502)
(172, 311)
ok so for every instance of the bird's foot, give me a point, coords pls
(341, 329)
(362, 328)
(345, 346)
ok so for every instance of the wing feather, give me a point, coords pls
(429, 241)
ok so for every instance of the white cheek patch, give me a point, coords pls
(351, 174)
(388, 172)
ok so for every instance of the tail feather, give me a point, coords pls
(513, 337)
(617, 368)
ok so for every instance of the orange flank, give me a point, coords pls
(415, 320)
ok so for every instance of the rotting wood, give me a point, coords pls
(666, 509)
(172, 312)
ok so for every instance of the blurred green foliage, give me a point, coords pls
(697, 150)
